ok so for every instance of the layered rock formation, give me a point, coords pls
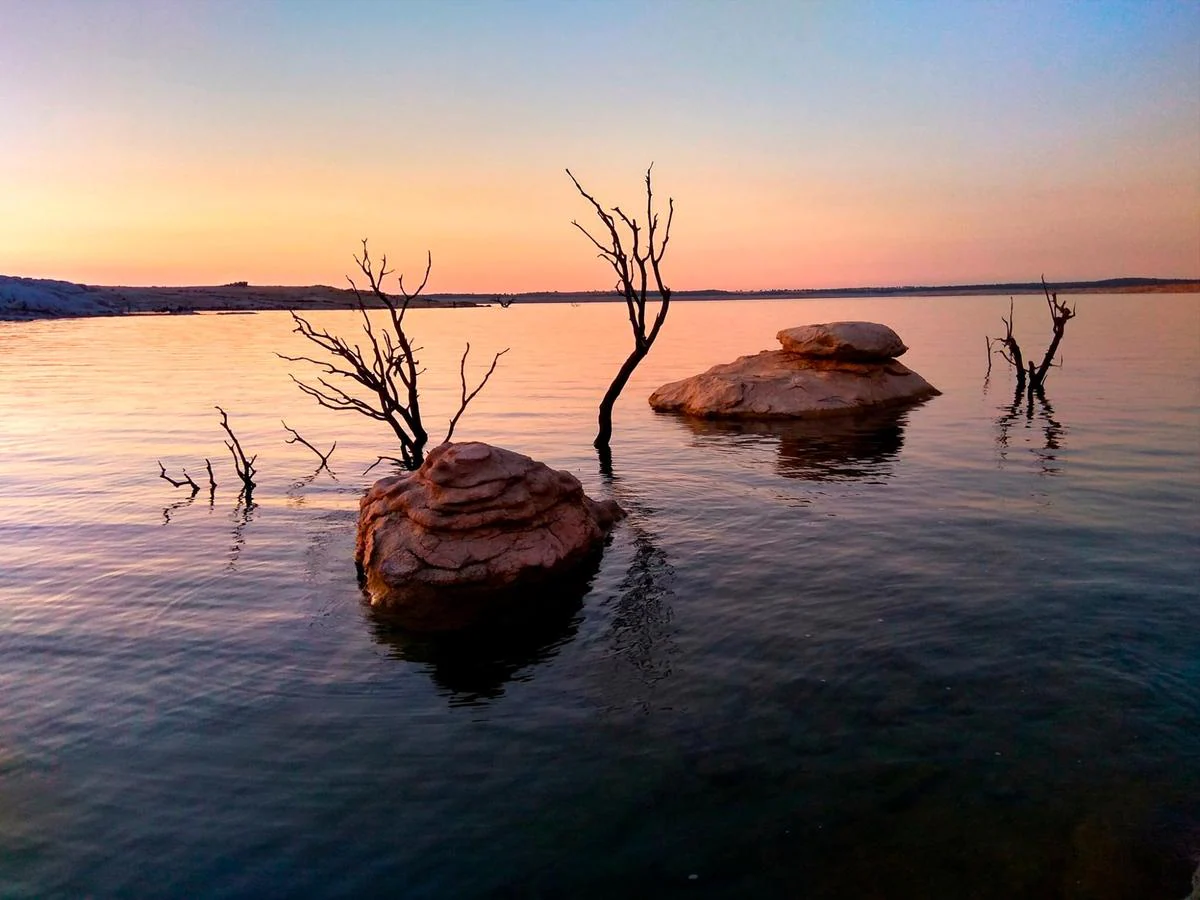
(822, 369)
(443, 545)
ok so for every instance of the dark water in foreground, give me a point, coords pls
(946, 653)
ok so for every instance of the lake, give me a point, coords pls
(949, 652)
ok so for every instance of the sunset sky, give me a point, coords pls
(806, 144)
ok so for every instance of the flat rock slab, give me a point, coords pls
(441, 545)
(843, 340)
(781, 384)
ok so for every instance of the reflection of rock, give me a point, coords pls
(822, 370)
(839, 448)
(475, 663)
(469, 530)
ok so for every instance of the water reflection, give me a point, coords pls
(834, 448)
(1032, 412)
(640, 635)
(242, 516)
(474, 664)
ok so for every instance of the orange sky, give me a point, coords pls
(805, 146)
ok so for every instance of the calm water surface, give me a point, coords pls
(951, 652)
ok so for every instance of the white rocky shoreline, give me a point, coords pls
(25, 299)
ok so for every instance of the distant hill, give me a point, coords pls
(37, 298)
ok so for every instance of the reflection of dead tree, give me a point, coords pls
(642, 609)
(187, 479)
(243, 466)
(387, 368)
(242, 514)
(1031, 406)
(170, 509)
(1028, 374)
(633, 266)
(296, 438)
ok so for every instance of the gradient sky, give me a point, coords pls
(806, 144)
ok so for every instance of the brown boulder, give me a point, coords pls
(442, 545)
(823, 370)
(843, 340)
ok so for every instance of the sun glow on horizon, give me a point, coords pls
(809, 147)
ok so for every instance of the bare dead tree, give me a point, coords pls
(634, 262)
(1008, 348)
(1029, 375)
(243, 466)
(386, 368)
(1060, 314)
(187, 479)
(296, 438)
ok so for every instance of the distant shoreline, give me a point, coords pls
(30, 298)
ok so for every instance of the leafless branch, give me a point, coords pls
(296, 438)
(187, 479)
(633, 260)
(382, 371)
(243, 466)
(391, 459)
(1009, 350)
(465, 397)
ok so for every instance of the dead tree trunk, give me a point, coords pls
(387, 369)
(1060, 314)
(1032, 377)
(633, 265)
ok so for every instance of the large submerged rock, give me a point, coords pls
(825, 369)
(470, 530)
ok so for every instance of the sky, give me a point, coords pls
(805, 144)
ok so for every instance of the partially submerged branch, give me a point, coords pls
(244, 466)
(297, 438)
(1007, 348)
(1060, 314)
(187, 479)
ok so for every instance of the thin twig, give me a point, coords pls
(466, 398)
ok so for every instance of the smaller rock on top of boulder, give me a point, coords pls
(843, 340)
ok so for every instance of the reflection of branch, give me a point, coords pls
(172, 507)
(297, 439)
(1032, 405)
(242, 514)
